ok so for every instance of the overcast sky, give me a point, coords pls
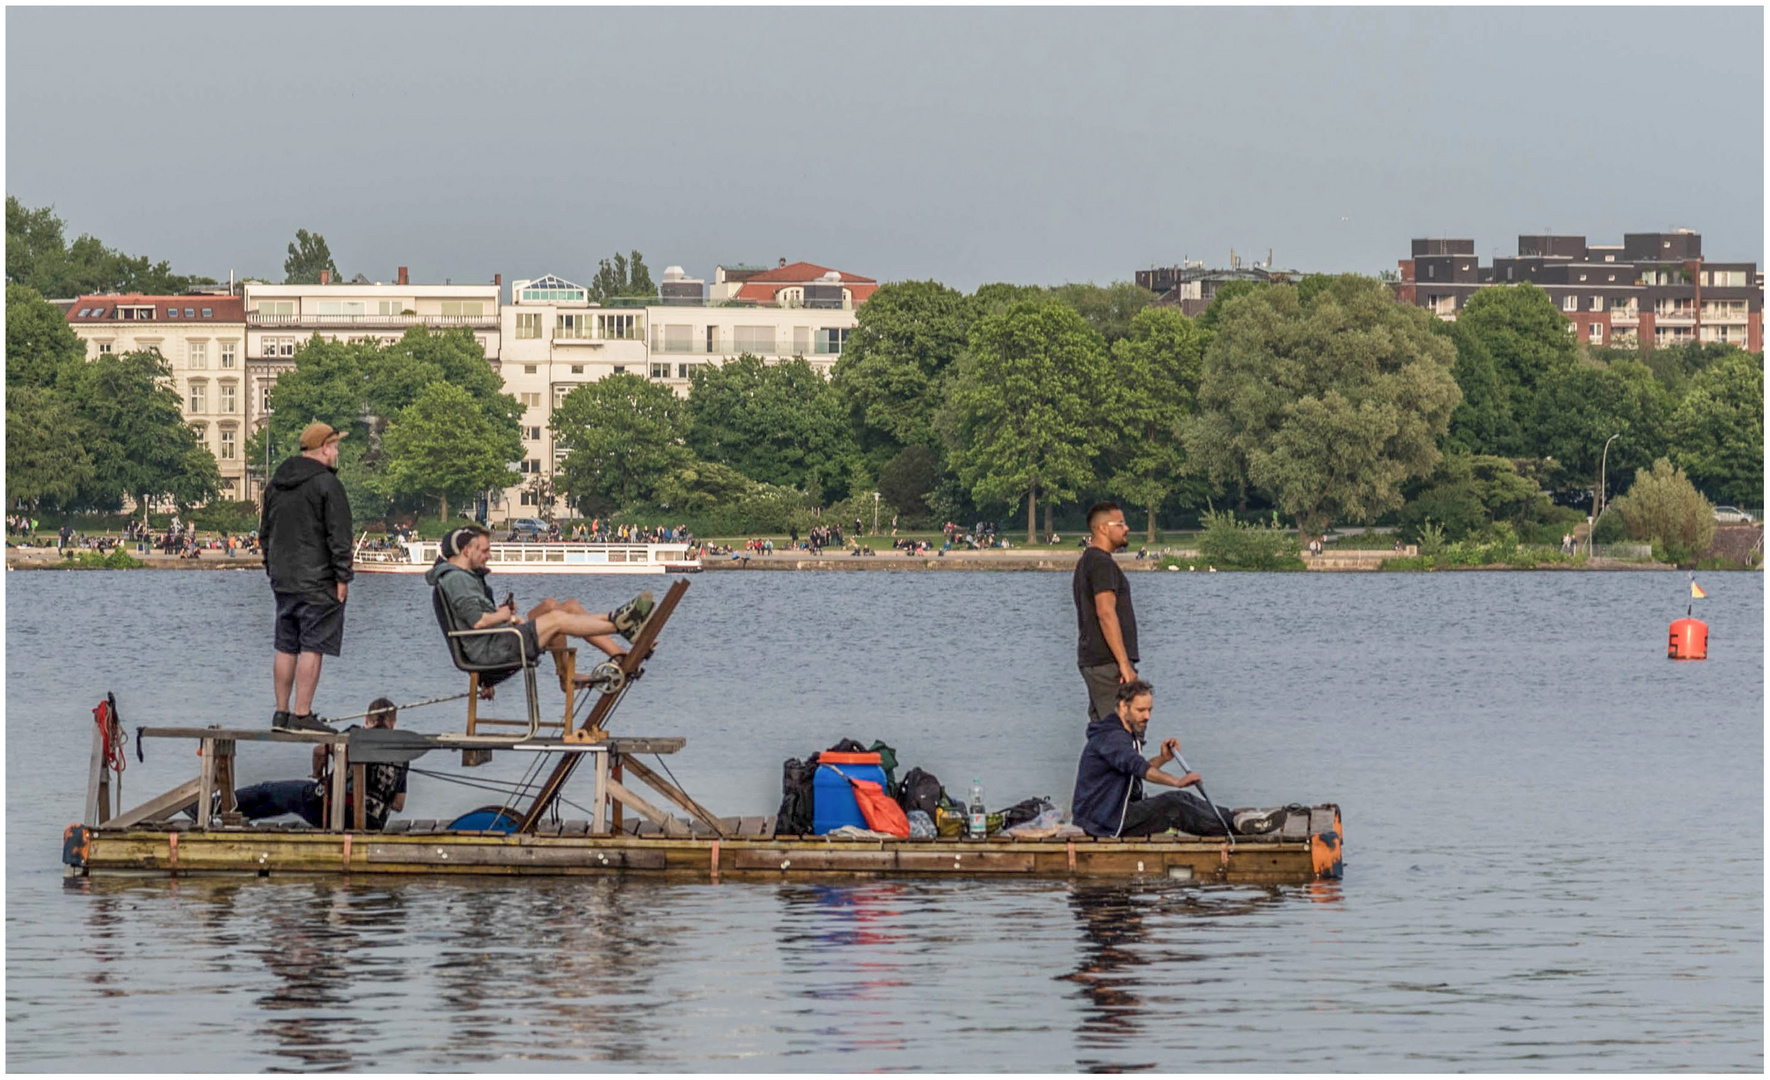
(965, 145)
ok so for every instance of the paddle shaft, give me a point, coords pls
(1227, 831)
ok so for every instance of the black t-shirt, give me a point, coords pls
(1097, 573)
(384, 781)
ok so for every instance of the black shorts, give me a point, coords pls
(308, 622)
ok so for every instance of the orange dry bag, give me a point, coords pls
(881, 812)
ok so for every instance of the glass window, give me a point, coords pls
(529, 369)
(208, 313)
(1570, 302)
(830, 340)
(190, 313)
(227, 354)
(465, 309)
(199, 398)
(197, 354)
(227, 444)
(346, 308)
(227, 397)
(577, 369)
(528, 324)
(83, 312)
(276, 307)
(390, 307)
(758, 340)
(678, 338)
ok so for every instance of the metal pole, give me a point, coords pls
(1598, 502)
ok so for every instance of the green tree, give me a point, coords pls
(1483, 422)
(46, 458)
(1155, 376)
(780, 423)
(997, 297)
(1328, 408)
(37, 256)
(1578, 407)
(1527, 338)
(137, 437)
(625, 436)
(308, 255)
(621, 277)
(1468, 492)
(1717, 431)
(1665, 508)
(1025, 404)
(699, 486)
(40, 345)
(443, 446)
(397, 373)
(1229, 290)
(892, 373)
(908, 479)
(1108, 309)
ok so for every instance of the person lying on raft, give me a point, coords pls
(307, 798)
(460, 576)
(1109, 798)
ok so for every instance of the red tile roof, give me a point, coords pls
(763, 287)
(167, 309)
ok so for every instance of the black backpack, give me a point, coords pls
(920, 791)
(794, 818)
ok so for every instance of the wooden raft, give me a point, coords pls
(1307, 849)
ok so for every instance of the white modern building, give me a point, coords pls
(554, 339)
(279, 318)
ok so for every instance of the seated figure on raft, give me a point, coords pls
(460, 577)
(1109, 798)
(307, 798)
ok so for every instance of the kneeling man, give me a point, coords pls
(460, 576)
(1109, 781)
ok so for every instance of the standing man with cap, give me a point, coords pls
(306, 534)
(1106, 639)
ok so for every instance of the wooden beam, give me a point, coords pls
(340, 762)
(95, 797)
(605, 705)
(359, 777)
(646, 810)
(599, 807)
(206, 783)
(676, 795)
(243, 734)
(158, 807)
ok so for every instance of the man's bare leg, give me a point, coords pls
(559, 623)
(307, 680)
(282, 673)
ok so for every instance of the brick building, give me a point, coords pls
(1652, 289)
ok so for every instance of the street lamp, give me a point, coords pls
(1598, 503)
(875, 513)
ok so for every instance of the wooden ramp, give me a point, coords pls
(1307, 849)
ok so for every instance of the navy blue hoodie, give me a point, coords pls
(1110, 773)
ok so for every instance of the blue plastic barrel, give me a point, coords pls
(832, 797)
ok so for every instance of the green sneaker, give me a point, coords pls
(630, 617)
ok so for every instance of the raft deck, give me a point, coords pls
(1308, 848)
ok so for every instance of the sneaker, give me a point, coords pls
(308, 722)
(1255, 822)
(279, 720)
(630, 617)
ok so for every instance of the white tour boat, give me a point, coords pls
(418, 556)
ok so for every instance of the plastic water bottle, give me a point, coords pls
(979, 825)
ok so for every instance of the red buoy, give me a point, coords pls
(1689, 641)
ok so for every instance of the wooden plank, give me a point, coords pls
(224, 776)
(599, 799)
(618, 790)
(94, 777)
(1321, 819)
(966, 862)
(340, 762)
(242, 734)
(574, 827)
(399, 825)
(751, 826)
(800, 859)
(206, 788)
(158, 807)
(674, 794)
(360, 813)
(633, 744)
(516, 855)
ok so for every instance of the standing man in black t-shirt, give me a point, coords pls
(1106, 640)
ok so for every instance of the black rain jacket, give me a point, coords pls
(305, 530)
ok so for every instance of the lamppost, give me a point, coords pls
(1598, 503)
(875, 513)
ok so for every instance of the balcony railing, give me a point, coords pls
(374, 322)
(726, 346)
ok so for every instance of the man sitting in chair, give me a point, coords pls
(459, 576)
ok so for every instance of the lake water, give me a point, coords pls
(1554, 838)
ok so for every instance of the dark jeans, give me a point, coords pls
(274, 798)
(1173, 810)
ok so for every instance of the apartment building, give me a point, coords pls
(554, 340)
(1652, 289)
(1192, 286)
(203, 339)
(279, 318)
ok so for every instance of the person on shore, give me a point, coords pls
(306, 535)
(1109, 799)
(307, 798)
(1106, 625)
(459, 575)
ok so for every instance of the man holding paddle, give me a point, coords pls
(1109, 798)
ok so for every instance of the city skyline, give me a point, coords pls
(966, 145)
